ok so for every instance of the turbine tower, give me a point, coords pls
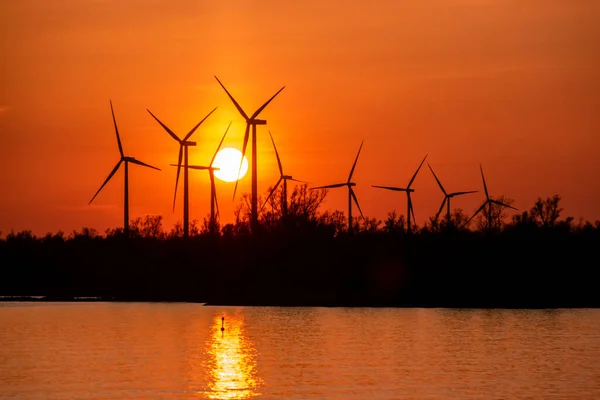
(408, 191)
(282, 178)
(251, 121)
(447, 196)
(351, 195)
(214, 205)
(183, 152)
(126, 160)
(488, 202)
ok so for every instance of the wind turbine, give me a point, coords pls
(349, 184)
(282, 178)
(488, 202)
(447, 196)
(126, 160)
(250, 121)
(408, 191)
(183, 152)
(211, 172)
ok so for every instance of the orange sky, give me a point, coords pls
(513, 85)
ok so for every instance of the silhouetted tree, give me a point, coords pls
(149, 226)
(546, 212)
(335, 221)
(366, 225)
(394, 223)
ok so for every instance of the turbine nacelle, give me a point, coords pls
(188, 143)
(257, 121)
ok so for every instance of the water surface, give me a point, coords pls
(178, 351)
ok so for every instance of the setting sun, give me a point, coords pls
(228, 162)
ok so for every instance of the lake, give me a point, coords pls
(178, 351)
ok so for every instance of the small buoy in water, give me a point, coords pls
(222, 324)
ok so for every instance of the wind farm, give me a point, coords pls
(282, 179)
(351, 195)
(123, 160)
(340, 259)
(214, 204)
(184, 144)
(488, 204)
(447, 197)
(408, 190)
(251, 122)
(307, 252)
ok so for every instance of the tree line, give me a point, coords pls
(302, 256)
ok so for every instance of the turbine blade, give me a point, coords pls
(396, 189)
(169, 131)
(476, 212)
(502, 204)
(199, 167)
(246, 135)
(487, 196)
(296, 180)
(337, 185)
(116, 130)
(416, 172)
(179, 158)
(213, 190)
(264, 105)
(212, 160)
(138, 162)
(107, 179)
(197, 125)
(276, 154)
(437, 180)
(461, 193)
(441, 208)
(271, 193)
(355, 160)
(217, 213)
(356, 201)
(235, 103)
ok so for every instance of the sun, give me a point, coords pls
(228, 162)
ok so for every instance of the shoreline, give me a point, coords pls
(299, 304)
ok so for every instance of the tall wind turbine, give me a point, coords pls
(126, 160)
(282, 178)
(488, 202)
(447, 196)
(183, 152)
(349, 184)
(408, 191)
(251, 121)
(214, 205)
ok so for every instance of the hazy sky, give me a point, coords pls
(513, 85)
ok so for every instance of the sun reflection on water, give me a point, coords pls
(233, 370)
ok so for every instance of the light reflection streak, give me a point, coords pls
(233, 371)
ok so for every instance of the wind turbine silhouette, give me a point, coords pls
(351, 194)
(488, 202)
(124, 159)
(183, 152)
(447, 196)
(408, 191)
(211, 172)
(282, 178)
(250, 121)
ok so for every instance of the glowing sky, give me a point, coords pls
(513, 85)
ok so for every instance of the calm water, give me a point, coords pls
(177, 351)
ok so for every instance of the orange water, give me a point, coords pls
(178, 351)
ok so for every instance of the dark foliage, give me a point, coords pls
(304, 257)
